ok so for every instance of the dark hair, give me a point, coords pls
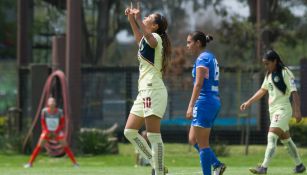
(167, 47)
(277, 76)
(202, 37)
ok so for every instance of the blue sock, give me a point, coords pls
(205, 160)
(196, 147)
(214, 161)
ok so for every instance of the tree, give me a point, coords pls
(102, 20)
(7, 29)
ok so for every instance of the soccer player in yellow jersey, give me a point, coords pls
(150, 104)
(279, 84)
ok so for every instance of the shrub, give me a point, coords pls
(11, 144)
(96, 141)
(298, 131)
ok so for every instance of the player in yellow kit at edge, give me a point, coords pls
(279, 84)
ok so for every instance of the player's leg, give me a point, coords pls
(272, 138)
(61, 139)
(271, 147)
(41, 142)
(134, 123)
(283, 123)
(192, 139)
(157, 147)
(155, 102)
(205, 153)
(203, 119)
(292, 151)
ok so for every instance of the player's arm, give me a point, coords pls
(137, 34)
(258, 95)
(151, 40)
(296, 103)
(201, 73)
(296, 106)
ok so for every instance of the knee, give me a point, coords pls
(192, 141)
(272, 140)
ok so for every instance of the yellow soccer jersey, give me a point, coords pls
(276, 98)
(150, 64)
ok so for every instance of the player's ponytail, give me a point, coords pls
(277, 76)
(202, 37)
(167, 47)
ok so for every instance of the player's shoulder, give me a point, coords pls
(157, 36)
(287, 72)
(205, 56)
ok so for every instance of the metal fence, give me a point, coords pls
(108, 94)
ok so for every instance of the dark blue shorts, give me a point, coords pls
(205, 112)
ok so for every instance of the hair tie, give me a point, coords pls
(207, 37)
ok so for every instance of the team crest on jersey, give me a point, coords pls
(276, 79)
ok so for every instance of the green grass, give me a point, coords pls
(181, 159)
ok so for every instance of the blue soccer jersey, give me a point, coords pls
(208, 61)
(208, 103)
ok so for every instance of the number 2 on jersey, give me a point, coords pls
(216, 70)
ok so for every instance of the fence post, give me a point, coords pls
(129, 100)
(303, 83)
(39, 75)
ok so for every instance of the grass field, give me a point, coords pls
(180, 159)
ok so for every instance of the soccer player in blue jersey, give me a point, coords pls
(205, 102)
(150, 104)
(279, 84)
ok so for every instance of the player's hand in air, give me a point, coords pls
(137, 14)
(129, 13)
(189, 114)
(245, 105)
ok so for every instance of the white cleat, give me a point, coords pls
(28, 165)
(220, 169)
(76, 165)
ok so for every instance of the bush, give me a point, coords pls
(96, 141)
(220, 150)
(298, 134)
(11, 144)
(220, 147)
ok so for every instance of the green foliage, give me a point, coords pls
(238, 42)
(95, 142)
(8, 28)
(7, 85)
(298, 134)
(12, 144)
(221, 150)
